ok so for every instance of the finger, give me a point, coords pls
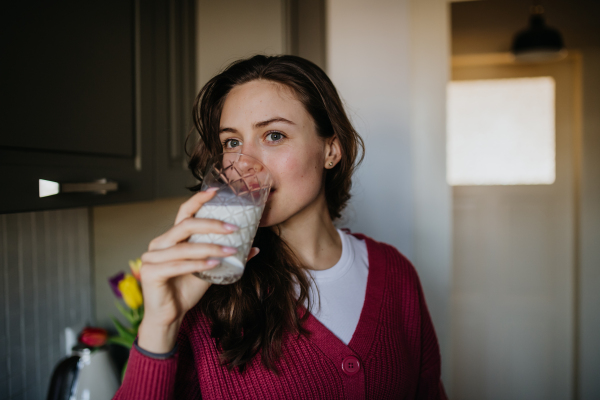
(164, 271)
(188, 227)
(253, 252)
(188, 251)
(193, 204)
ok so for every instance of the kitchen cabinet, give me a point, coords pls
(95, 90)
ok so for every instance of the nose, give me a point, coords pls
(251, 171)
(248, 165)
(243, 164)
(250, 148)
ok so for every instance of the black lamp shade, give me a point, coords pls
(538, 42)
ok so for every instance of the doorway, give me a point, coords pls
(513, 300)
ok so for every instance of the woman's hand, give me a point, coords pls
(169, 287)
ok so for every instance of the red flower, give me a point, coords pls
(93, 337)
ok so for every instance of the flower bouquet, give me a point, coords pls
(126, 288)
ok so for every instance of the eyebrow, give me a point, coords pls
(260, 124)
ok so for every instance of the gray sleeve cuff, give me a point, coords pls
(158, 356)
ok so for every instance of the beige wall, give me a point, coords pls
(232, 29)
(122, 233)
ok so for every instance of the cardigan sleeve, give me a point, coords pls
(152, 378)
(430, 385)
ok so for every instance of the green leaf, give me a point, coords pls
(138, 316)
(136, 325)
(127, 314)
(123, 332)
(121, 341)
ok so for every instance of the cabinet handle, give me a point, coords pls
(101, 186)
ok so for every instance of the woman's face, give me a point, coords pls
(264, 120)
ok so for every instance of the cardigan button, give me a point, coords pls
(350, 365)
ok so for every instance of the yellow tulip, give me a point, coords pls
(135, 266)
(130, 289)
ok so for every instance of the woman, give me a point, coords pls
(370, 336)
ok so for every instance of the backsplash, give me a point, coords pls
(45, 286)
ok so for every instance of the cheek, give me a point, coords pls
(300, 173)
(298, 177)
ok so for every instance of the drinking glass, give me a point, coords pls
(243, 184)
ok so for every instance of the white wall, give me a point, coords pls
(232, 29)
(430, 73)
(389, 61)
(368, 58)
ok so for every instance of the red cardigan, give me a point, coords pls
(393, 353)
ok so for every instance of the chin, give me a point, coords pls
(271, 216)
(268, 220)
(281, 209)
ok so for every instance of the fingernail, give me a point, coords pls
(212, 263)
(257, 250)
(212, 189)
(229, 250)
(230, 227)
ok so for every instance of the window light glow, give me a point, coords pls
(501, 132)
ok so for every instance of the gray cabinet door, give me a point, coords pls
(90, 91)
(68, 77)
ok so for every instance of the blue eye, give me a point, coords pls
(275, 136)
(231, 143)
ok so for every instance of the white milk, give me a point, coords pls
(247, 218)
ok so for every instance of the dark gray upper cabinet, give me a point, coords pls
(68, 76)
(95, 90)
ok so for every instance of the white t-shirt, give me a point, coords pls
(342, 288)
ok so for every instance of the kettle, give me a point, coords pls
(86, 375)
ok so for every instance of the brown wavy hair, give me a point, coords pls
(253, 314)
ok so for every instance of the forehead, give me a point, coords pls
(260, 99)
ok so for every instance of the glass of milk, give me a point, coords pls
(243, 185)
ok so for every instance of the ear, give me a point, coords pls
(333, 152)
